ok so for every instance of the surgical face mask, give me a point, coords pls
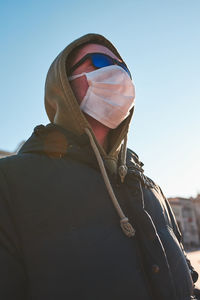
(110, 95)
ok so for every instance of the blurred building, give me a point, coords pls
(4, 153)
(188, 222)
(196, 203)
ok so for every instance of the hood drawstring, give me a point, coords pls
(123, 168)
(124, 222)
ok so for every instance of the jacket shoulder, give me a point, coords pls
(12, 164)
(135, 167)
(6, 161)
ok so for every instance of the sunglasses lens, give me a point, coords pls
(100, 60)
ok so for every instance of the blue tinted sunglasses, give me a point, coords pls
(100, 60)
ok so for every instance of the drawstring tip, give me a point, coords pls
(122, 172)
(127, 227)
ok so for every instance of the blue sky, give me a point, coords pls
(159, 40)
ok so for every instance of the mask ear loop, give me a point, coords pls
(70, 78)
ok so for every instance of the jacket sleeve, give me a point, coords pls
(13, 282)
(177, 232)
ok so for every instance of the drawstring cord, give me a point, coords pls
(124, 222)
(123, 168)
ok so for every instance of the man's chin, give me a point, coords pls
(95, 123)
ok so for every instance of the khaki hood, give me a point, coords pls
(63, 109)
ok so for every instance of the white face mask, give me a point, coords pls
(110, 95)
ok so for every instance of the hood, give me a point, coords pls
(63, 109)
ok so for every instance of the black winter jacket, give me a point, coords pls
(59, 232)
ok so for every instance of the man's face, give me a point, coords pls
(80, 85)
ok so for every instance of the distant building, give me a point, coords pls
(185, 213)
(4, 153)
(196, 203)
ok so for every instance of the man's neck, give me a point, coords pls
(100, 131)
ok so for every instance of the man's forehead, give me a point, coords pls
(90, 48)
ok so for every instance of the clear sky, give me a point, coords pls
(159, 40)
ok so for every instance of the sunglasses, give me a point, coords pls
(100, 60)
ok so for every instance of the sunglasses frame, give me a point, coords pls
(89, 55)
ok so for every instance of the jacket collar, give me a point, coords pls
(56, 142)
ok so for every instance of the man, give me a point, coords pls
(79, 219)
